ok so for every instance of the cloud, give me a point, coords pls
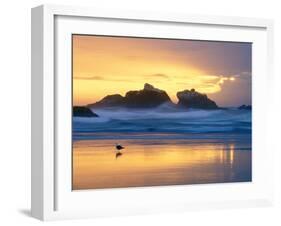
(238, 92)
(160, 75)
(100, 78)
(246, 75)
(208, 83)
(88, 78)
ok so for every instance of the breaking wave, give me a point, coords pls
(165, 120)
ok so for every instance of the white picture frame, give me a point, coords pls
(51, 196)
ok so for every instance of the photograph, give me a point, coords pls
(159, 111)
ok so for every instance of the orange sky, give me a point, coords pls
(110, 65)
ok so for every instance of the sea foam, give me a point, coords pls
(165, 119)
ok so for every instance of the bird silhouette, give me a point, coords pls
(118, 147)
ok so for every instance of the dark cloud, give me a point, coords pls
(159, 75)
(238, 91)
(214, 57)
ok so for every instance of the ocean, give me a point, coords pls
(163, 146)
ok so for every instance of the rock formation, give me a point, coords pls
(245, 107)
(115, 100)
(79, 111)
(148, 97)
(193, 99)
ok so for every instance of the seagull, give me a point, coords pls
(118, 147)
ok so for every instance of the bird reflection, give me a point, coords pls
(118, 154)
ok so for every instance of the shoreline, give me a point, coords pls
(160, 162)
(157, 135)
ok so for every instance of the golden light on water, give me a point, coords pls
(95, 164)
(231, 154)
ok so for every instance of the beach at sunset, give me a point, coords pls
(149, 162)
(159, 112)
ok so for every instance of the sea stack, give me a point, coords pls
(245, 107)
(148, 97)
(81, 111)
(115, 100)
(193, 99)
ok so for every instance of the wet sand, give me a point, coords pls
(149, 162)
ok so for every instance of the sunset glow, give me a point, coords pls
(109, 65)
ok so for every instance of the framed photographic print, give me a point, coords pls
(137, 112)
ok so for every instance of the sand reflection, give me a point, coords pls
(95, 164)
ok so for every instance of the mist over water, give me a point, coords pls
(164, 120)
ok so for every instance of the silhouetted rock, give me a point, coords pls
(245, 107)
(79, 111)
(193, 99)
(148, 97)
(115, 100)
